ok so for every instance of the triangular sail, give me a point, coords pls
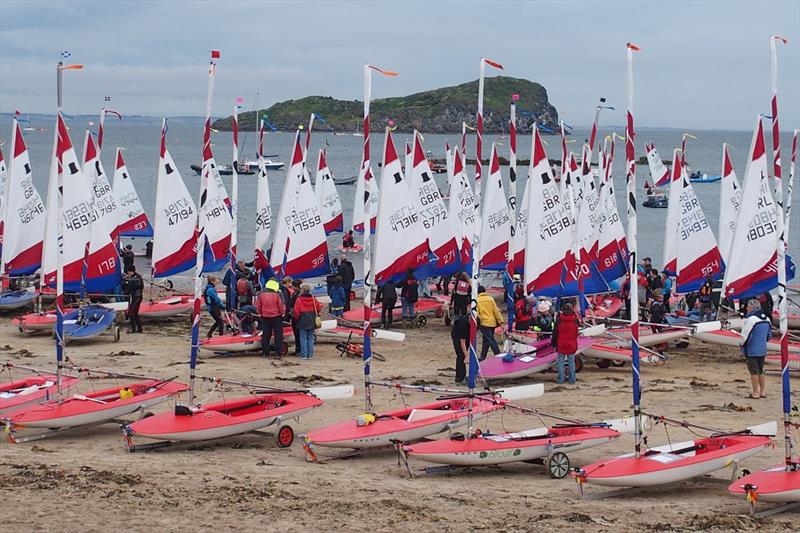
(433, 216)
(551, 236)
(462, 209)
(374, 197)
(698, 257)
(753, 258)
(611, 253)
(106, 207)
(328, 197)
(658, 170)
(134, 220)
(24, 220)
(90, 258)
(175, 234)
(730, 197)
(401, 243)
(521, 231)
(217, 222)
(300, 248)
(263, 207)
(673, 219)
(588, 220)
(495, 220)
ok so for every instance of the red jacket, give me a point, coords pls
(566, 333)
(306, 303)
(270, 304)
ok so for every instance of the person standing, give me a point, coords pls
(460, 335)
(306, 312)
(461, 294)
(348, 274)
(245, 291)
(565, 341)
(409, 295)
(132, 286)
(215, 306)
(337, 296)
(705, 295)
(271, 308)
(388, 294)
(755, 334)
(489, 318)
(666, 283)
(128, 257)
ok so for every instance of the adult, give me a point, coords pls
(409, 295)
(271, 308)
(306, 311)
(388, 295)
(132, 287)
(348, 274)
(658, 311)
(756, 331)
(294, 293)
(460, 335)
(461, 294)
(128, 257)
(565, 341)
(214, 306)
(338, 297)
(489, 318)
(245, 291)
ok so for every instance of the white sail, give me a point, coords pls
(730, 197)
(495, 219)
(263, 206)
(462, 207)
(328, 197)
(106, 207)
(134, 220)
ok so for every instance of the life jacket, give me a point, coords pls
(242, 288)
(462, 287)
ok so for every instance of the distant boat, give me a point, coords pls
(657, 200)
(345, 181)
(227, 170)
(269, 164)
(697, 177)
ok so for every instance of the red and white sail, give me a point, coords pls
(374, 196)
(698, 257)
(753, 262)
(300, 248)
(106, 207)
(611, 251)
(90, 258)
(216, 223)
(461, 207)
(401, 242)
(673, 219)
(328, 197)
(24, 220)
(175, 222)
(134, 219)
(658, 170)
(263, 207)
(495, 219)
(730, 197)
(550, 239)
(433, 216)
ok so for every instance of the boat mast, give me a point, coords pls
(201, 236)
(630, 173)
(782, 230)
(234, 204)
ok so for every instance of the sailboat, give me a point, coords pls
(263, 208)
(730, 198)
(134, 222)
(612, 250)
(462, 209)
(22, 215)
(675, 461)
(496, 220)
(660, 175)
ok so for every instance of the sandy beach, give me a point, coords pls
(248, 483)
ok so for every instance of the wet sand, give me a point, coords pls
(85, 480)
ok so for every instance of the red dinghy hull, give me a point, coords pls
(17, 394)
(425, 306)
(726, 337)
(33, 322)
(95, 407)
(511, 447)
(243, 342)
(604, 306)
(776, 484)
(406, 425)
(167, 307)
(226, 418)
(672, 463)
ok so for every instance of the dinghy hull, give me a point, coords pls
(774, 485)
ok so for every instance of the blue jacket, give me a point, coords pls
(212, 298)
(756, 331)
(338, 296)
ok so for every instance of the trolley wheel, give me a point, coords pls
(603, 363)
(284, 437)
(557, 465)
(447, 320)
(352, 295)
(743, 472)
(168, 284)
(116, 333)
(618, 364)
(420, 321)
(578, 363)
(439, 312)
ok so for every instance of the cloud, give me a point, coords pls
(703, 64)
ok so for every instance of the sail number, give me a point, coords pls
(178, 210)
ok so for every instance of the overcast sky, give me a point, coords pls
(703, 64)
